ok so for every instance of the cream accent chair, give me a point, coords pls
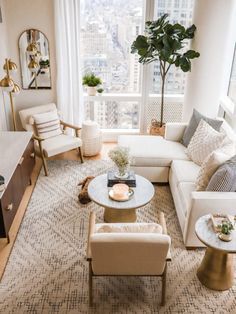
(52, 146)
(137, 249)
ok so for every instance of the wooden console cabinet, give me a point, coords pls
(17, 160)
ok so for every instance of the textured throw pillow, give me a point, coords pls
(47, 124)
(208, 167)
(193, 124)
(204, 141)
(224, 179)
(130, 228)
(213, 161)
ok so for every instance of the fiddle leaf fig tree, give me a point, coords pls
(164, 42)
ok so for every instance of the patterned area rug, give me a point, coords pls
(47, 271)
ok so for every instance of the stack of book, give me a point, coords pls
(112, 179)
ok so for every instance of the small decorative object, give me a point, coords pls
(120, 192)
(112, 179)
(225, 231)
(217, 220)
(2, 183)
(83, 195)
(100, 90)
(120, 156)
(164, 42)
(155, 128)
(91, 81)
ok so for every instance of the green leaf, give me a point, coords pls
(190, 31)
(185, 64)
(191, 54)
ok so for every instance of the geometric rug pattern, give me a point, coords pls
(47, 271)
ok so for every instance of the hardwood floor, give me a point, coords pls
(5, 248)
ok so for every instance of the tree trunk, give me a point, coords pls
(162, 97)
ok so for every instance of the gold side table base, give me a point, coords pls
(216, 270)
(120, 215)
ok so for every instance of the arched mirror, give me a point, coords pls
(34, 60)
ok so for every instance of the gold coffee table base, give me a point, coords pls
(216, 270)
(119, 215)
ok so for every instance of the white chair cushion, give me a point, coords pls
(47, 124)
(185, 170)
(152, 151)
(129, 228)
(59, 144)
(204, 141)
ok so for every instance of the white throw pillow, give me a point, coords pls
(204, 141)
(129, 228)
(47, 124)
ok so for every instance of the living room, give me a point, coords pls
(117, 165)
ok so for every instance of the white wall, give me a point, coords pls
(214, 39)
(22, 15)
(3, 55)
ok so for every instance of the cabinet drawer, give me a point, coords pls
(11, 198)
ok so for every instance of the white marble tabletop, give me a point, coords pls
(12, 147)
(98, 192)
(206, 234)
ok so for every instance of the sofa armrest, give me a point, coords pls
(204, 203)
(174, 131)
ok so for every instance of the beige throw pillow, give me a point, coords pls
(129, 228)
(208, 168)
(47, 124)
(204, 141)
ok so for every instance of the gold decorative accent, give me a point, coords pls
(8, 85)
(116, 215)
(32, 49)
(216, 270)
(33, 66)
(11, 65)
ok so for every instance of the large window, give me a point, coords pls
(108, 28)
(232, 83)
(180, 11)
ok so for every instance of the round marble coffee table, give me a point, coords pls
(120, 211)
(216, 270)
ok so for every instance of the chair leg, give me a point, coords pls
(163, 295)
(90, 285)
(45, 165)
(81, 154)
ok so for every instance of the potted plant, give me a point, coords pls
(164, 43)
(225, 230)
(91, 81)
(100, 90)
(44, 65)
(120, 156)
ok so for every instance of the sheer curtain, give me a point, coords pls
(69, 82)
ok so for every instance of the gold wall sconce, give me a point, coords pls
(8, 85)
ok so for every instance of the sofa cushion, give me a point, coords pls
(224, 179)
(193, 124)
(204, 141)
(185, 194)
(152, 151)
(185, 170)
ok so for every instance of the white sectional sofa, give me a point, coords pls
(165, 160)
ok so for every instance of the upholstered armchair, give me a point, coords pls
(49, 132)
(128, 249)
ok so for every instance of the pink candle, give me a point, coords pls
(120, 190)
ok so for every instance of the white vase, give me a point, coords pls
(91, 90)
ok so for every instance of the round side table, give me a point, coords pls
(120, 211)
(216, 269)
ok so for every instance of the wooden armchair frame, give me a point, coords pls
(40, 140)
(92, 219)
